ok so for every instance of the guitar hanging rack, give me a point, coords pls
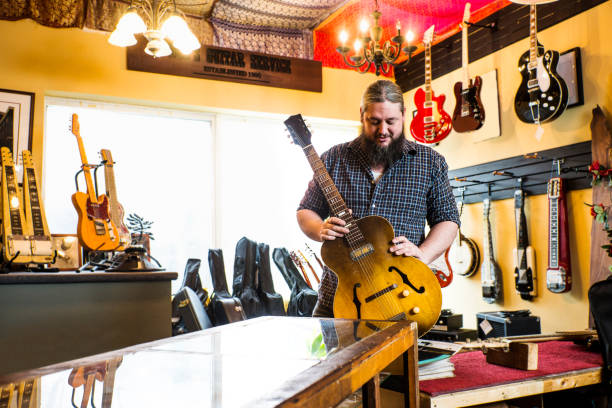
(500, 176)
(491, 26)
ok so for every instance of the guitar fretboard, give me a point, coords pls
(16, 227)
(553, 234)
(336, 203)
(488, 244)
(428, 72)
(533, 40)
(464, 55)
(37, 221)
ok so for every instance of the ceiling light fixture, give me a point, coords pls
(369, 51)
(164, 23)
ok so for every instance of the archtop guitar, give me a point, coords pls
(372, 282)
(95, 229)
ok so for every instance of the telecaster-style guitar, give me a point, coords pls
(95, 229)
(35, 218)
(490, 273)
(558, 273)
(15, 232)
(542, 95)
(463, 254)
(469, 113)
(372, 282)
(431, 123)
(524, 270)
(116, 209)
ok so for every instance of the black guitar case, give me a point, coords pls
(600, 303)
(190, 312)
(223, 307)
(303, 299)
(273, 302)
(191, 279)
(245, 278)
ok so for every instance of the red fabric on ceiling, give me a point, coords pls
(415, 15)
(473, 371)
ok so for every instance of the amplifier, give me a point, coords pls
(506, 323)
(451, 335)
(448, 321)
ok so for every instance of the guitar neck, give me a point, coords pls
(34, 211)
(522, 239)
(533, 39)
(428, 72)
(91, 191)
(111, 189)
(553, 234)
(464, 56)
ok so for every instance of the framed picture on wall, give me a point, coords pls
(16, 118)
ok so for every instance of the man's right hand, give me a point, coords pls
(332, 228)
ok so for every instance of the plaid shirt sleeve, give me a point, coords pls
(313, 198)
(441, 205)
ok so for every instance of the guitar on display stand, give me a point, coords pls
(542, 95)
(95, 229)
(431, 123)
(463, 254)
(524, 271)
(469, 112)
(372, 283)
(116, 209)
(558, 273)
(489, 271)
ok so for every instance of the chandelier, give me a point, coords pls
(368, 49)
(164, 23)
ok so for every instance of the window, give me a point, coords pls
(204, 180)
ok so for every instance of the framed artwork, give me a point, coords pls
(69, 254)
(16, 107)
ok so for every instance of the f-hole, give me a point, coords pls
(356, 300)
(406, 280)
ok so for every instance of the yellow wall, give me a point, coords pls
(590, 31)
(71, 62)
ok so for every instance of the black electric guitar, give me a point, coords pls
(15, 232)
(35, 218)
(469, 113)
(490, 273)
(558, 273)
(542, 95)
(372, 282)
(524, 270)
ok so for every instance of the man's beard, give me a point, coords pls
(382, 155)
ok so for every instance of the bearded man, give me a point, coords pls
(381, 173)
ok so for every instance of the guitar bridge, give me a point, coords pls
(361, 252)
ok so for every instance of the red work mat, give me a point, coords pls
(472, 370)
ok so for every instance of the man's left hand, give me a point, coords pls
(401, 246)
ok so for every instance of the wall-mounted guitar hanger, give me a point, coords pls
(531, 171)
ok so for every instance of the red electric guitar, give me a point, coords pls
(431, 123)
(558, 273)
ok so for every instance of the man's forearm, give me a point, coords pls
(438, 240)
(310, 223)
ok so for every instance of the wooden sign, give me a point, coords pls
(226, 64)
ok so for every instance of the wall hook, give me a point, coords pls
(491, 26)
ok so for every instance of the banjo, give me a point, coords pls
(463, 255)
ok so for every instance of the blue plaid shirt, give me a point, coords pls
(414, 189)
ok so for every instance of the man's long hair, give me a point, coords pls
(382, 90)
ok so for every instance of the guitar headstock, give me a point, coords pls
(75, 128)
(486, 206)
(7, 156)
(428, 35)
(298, 130)
(26, 157)
(296, 260)
(554, 187)
(466, 13)
(107, 158)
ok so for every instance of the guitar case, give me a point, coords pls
(191, 279)
(223, 307)
(600, 294)
(273, 302)
(190, 311)
(245, 278)
(303, 299)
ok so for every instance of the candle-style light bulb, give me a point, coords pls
(343, 37)
(363, 25)
(409, 36)
(398, 25)
(357, 45)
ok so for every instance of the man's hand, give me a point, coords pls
(333, 227)
(401, 246)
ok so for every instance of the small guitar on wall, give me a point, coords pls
(431, 123)
(469, 113)
(558, 273)
(524, 271)
(95, 229)
(463, 254)
(116, 209)
(490, 273)
(542, 95)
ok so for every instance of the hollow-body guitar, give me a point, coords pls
(372, 282)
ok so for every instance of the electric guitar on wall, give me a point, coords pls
(431, 123)
(95, 229)
(542, 95)
(524, 271)
(469, 113)
(558, 273)
(15, 232)
(490, 273)
(116, 209)
(35, 218)
(372, 282)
